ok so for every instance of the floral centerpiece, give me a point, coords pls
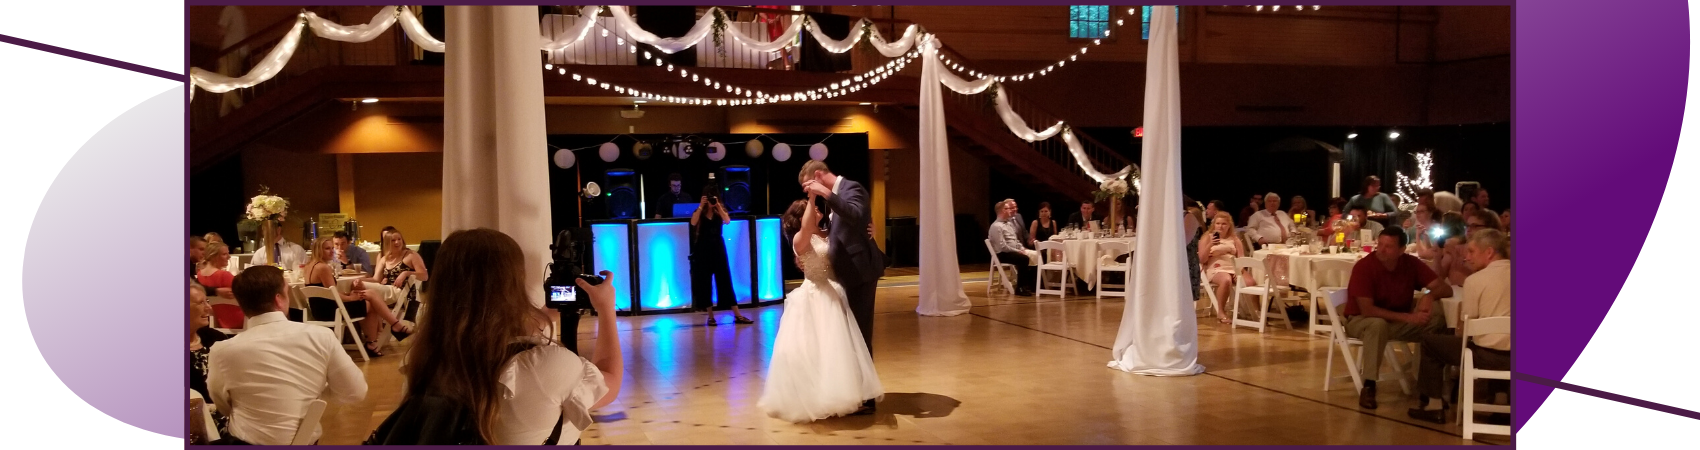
(1114, 189)
(269, 210)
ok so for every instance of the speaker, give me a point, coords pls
(621, 188)
(736, 189)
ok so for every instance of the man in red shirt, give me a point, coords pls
(1380, 309)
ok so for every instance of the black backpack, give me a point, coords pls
(436, 420)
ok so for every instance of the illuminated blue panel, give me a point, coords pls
(664, 265)
(769, 283)
(737, 237)
(613, 254)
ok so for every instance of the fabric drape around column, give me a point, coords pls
(941, 277)
(495, 154)
(1159, 333)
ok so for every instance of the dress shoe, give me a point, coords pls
(1430, 415)
(1366, 399)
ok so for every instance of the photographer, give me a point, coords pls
(483, 350)
(708, 258)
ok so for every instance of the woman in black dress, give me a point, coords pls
(1042, 229)
(201, 339)
(708, 259)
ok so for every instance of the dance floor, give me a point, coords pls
(1015, 370)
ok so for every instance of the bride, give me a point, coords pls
(820, 366)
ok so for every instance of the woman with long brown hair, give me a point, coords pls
(397, 268)
(486, 347)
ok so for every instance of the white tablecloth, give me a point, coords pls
(1082, 257)
(1298, 266)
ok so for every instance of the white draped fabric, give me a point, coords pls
(941, 281)
(1017, 125)
(1159, 333)
(894, 49)
(949, 79)
(416, 31)
(1080, 158)
(353, 33)
(267, 68)
(837, 45)
(575, 33)
(760, 44)
(494, 175)
(703, 27)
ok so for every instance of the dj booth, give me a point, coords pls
(651, 263)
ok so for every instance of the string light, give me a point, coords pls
(1408, 186)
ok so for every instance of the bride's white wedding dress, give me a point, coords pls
(820, 366)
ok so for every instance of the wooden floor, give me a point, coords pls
(1015, 370)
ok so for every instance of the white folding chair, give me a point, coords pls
(1351, 348)
(1468, 374)
(309, 423)
(1210, 296)
(997, 272)
(1330, 275)
(1046, 265)
(400, 309)
(341, 325)
(1265, 294)
(1113, 250)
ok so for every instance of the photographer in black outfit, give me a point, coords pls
(708, 257)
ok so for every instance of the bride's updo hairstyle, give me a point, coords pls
(792, 220)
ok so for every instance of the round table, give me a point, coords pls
(1298, 265)
(1082, 257)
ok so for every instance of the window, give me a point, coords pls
(1145, 21)
(1088, 22)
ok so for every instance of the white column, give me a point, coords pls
(1335, 188)
(1159, 332)
(941, 277)
(495, 156)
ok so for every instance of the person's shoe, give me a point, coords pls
(742, 320)
(711, 322)
(1366, 399)
(1429, 415)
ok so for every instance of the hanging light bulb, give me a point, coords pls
(693, 77)
(548, 67)
(1132, 11)
(646, 54)
(1118, 22)
(1097, 41)
(563, 71)
(1072, 57)
(657, 62)
(576, 77)
(1275, 8)
(591, 81)
(1259, 7)
(622, 41)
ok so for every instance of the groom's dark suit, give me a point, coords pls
(856, 261)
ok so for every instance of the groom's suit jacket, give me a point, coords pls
(855, 258)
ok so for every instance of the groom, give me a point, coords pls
(856, 261)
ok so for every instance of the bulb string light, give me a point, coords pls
(1053, 67)
(750, 97)
(1409, 186)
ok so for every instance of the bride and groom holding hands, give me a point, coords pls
(822, 365)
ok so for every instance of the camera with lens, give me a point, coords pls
(561, 289)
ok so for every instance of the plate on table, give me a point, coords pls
(351, 272)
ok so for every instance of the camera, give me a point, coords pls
(560, 290)
(567, 295)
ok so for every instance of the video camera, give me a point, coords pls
(561, 291)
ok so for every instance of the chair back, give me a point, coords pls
(216, 300)
(994, 253)
(1045, 249)
(1331, 272)
(320, 292)
(309, 423)
(1485, 325)
(1114, 248)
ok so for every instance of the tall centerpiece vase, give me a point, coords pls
(1113, 190)
(268, 234)
(1115, 218)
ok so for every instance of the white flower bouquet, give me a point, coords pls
(267, 207)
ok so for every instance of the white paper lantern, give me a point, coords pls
(609, 152)
(817, 152)
(753, 148)
(782, 152)
(716, 151)
(565, 159)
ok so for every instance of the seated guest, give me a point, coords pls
(496, 355)
(1480, 198)
(1374, 202)
(1007, 244)
(264, 378)
(1042, 229)
(1271, 225)
(1487, 293)
(1016, 222)
(1082, 219)
(1380, 309)
(358, 301)
(398, 267)
(197, 253)
(1469, 209)
(348, 254)
(1336, 218)
(1451, 264)
(213, 274)
(1482, 219)
(1217, 251)
(291, 256)
(1419, 231)
(1300, 208)
(212, 237)
(201, 339)
(1505, 221)
(1249, 209)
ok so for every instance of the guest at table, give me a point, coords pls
(1480, 198)
(1451, 264)
(500, 359)
(1336, 219)
(349, 256)
(399, 267)
(212, 236)
(264, 377)
(1006, 242)
(1481, 219)
(1469, 209)
(1271, 225)
(1298, 207)
(1486, 293)
(213, 274)
(197, 253)
(1218, 251)
(292, 255)
(1019, 223)
(1419, 232)
(1505, 221)
(1250, 209)
(1082, 219)
(357, 300)
(1373, 201)
(1042, 229)
(1380, 309)
(201, 339)
(1358, 219)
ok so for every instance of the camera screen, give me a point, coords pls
(563, 294)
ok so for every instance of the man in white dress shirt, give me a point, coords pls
(1270, 225)
(264, 377)
(1486, 293)
(291, 256)
(1006, 242)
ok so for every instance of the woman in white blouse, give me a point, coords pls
(485, 345)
